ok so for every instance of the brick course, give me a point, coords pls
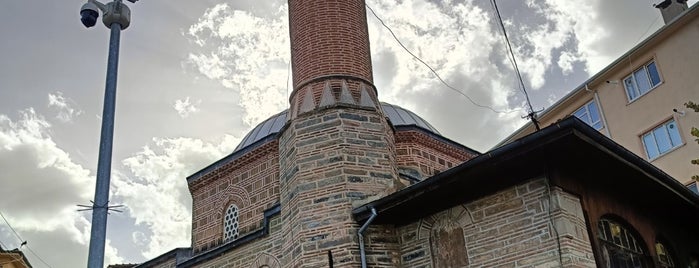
(250, 182)
(416, 150)
(328, 37)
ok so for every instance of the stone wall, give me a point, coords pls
(251, 182)
(257, 253)
(518, 227)
(330, 159)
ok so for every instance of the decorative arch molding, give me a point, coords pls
(232, 195)
(266, 260)
(444, 234)
(458, 215)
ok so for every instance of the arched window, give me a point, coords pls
(230, 223)
(620, 247)
(664, 256)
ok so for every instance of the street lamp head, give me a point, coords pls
(89, 14)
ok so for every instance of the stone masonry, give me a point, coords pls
(329, 160)
(423, 156)
(517, 227)
(337, 149)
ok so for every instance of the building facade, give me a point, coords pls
(341, 179)
(13, 259)
(638, 100)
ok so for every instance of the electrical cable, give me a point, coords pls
(23, 242)
(647, 29)
(628, 58)
(435, 72)
(11, 228)
(38, 257)
(550, 216)
(532, 113)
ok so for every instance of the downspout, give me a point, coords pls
(360, 234)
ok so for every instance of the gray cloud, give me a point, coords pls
(46, 186)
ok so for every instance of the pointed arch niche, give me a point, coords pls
(445, 234)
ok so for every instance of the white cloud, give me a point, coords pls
(42, 186)
(185, 107)
(64, 107)
(154, 189)
(246, 53)
(459, 41)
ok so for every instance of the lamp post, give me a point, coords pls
(117, 17)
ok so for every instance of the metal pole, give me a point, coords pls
(95, 258)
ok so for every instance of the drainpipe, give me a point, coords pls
(360, 234)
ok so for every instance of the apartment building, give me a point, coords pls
(638, 100)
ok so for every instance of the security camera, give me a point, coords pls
(89, 14)
(113, 12)
(681, 113)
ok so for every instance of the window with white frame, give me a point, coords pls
(589, 114)
(642, 80)
(662, 139)
(230, 223)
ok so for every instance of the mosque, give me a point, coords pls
(341, 179)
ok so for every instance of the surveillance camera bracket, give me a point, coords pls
(114, 12)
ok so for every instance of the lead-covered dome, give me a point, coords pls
(397, 116)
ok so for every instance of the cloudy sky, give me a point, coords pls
(195, 76)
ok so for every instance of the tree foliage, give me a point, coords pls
(694, 132)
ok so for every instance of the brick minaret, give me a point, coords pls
(337, 149)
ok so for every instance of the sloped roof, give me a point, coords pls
(570, 144)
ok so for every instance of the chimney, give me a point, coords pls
(671, 9)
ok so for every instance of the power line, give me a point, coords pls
(23, 242)
(38, 257)
(647, 29)
(532, 113)
(13, 229)
(435, 72)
